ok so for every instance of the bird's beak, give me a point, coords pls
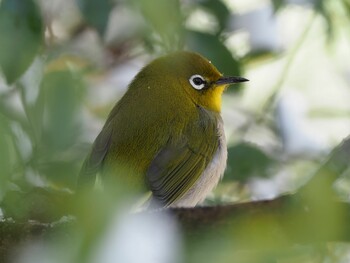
(230, 80)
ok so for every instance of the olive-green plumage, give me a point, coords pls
(166, 133)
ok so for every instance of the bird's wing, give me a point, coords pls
(179, 164)
(94, 160)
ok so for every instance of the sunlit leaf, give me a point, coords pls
(21, 31)
(96, 13)
(246, 160)
(211, 47)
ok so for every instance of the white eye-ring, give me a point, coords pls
(197, 82)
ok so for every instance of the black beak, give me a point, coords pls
(230, 80)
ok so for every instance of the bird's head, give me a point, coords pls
(191, 75)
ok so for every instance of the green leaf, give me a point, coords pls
(165, 19)
(21, 31)
(6, 152)
(346, 6)
(96, 13)
(219, 10)
(54, 156)
(322, 8)
(246, 160)
(36, 203)
(61, 91)
(62, 173)
(212, 48)
(278, 4)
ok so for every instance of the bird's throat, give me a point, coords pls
(212, 101)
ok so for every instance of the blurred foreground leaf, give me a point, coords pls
(21, 31)
(322, 7)
(55, 156)
(96, 13)
(246, 160)
(38, 203)
(62, 92)
(6, 153)
(219, 9)
(278, 4)
(165, 19)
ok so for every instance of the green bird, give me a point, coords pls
(165, 134)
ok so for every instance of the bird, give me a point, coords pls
(166, 134)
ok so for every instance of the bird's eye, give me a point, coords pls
(197, 82)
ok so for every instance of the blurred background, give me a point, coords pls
(64, 64)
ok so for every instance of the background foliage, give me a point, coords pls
(64, 64)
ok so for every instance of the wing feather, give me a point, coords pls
(94, 161)
(180, 163)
